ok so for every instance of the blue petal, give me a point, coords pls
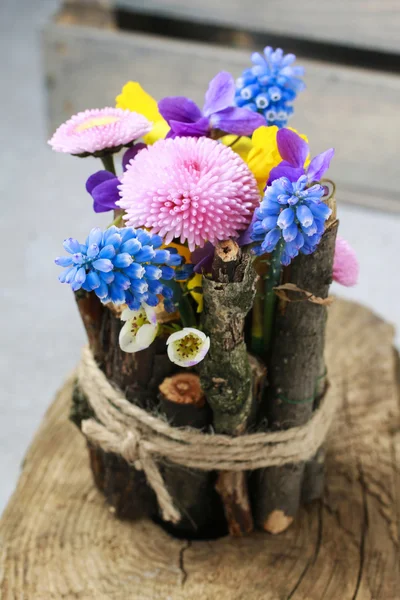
(161, 257)
(144, 237)
(131, 301)
(127, 233)
(131, 246)
(167, 292)
(72, 245)
(92, 251)
(70, 275)
(80, 276)
(107, 252)
(63, 261)
(106, 277)
(167, 273)
(123, 260)
(270, 222)
(139, 286)
(271, 240)
(152, 300)
(134, 271)
(103, 264)
(117, 294)
(122, 280)
(62, 278)
(290, 233)
(145, 254)
(93, 280)
(95, 237)
(285, 218)
(304, 215)
(153, 272)
(156, 241)
(155, 287)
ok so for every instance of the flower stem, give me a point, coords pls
(108, 163)
(272, 280)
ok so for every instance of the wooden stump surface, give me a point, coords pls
(59, 540)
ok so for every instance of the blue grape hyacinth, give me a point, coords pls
(291, 215)
(270, 85)
(121, 266)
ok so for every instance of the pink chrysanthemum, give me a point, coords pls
(99, 129)
(194, 189)
(345, 264)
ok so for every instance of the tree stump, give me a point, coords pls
(59, 540)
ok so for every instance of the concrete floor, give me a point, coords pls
(43, 201)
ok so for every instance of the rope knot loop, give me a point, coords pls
(131, 448)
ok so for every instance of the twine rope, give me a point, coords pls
(144, 440)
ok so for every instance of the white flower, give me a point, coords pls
(187, 347)
(139, 330)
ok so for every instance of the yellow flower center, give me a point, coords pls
(96, 122)
(138, 320)
(188, 346)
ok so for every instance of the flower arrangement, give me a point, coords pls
(219, 213)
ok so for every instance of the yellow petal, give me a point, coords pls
(264, 137)
(196, 281)
(134, 98)
(159, 131)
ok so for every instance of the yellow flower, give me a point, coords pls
(194, 282)
(134, 98)
(261, 152)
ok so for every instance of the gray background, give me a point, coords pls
(43, 201)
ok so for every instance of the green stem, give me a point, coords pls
(108, 163)
(272, 280)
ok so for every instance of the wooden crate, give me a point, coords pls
(351, 108)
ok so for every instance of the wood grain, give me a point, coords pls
(59, 541)
(343, 107)
(371, 24)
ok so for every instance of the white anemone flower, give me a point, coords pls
(139, 330)
(187, 347)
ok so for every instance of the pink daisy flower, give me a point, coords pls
(99, 129)
(345, 264)
(194, 189)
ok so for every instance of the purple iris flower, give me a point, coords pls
(186, 119)
(103, 185)
(294, 151)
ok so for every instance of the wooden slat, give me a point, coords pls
(370, 24)
(354, 110)
(59, 541)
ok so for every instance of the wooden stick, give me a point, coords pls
(138, 376)
(295, 367)
(225, 372)
(183, 402)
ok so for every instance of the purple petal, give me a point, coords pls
(245, 237)
(202, 258)
(292, 147)
(319, 165)
(98, 178)
(106, 195)
(197, 129)
(220, 93)
(131, 153)
(285, 170)
(179, 108)
(239, 121)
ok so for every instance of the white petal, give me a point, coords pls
(150, 314)
(178, 335)
(127, 314)
(127, 340)
(146, 336)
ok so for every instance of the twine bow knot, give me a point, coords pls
(143, 439)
